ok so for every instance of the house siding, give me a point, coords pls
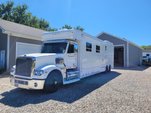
(3, 44)
(135, 55)
(13, 40)
(115, 42)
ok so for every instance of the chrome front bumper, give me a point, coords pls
(27, 83)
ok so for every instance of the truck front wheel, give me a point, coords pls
(53, 81)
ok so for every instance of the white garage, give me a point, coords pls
(26, 48)
(16, 40)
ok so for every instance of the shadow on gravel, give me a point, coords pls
(68, 93)
(4, 75)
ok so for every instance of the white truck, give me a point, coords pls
(146, 60)
(66, 57)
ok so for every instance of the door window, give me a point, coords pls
(73, 48)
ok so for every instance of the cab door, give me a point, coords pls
(72, 56)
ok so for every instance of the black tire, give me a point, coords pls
(106, 69)
(109, 68)
(53, 81)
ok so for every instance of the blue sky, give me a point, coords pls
(130, 19)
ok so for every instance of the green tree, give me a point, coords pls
(66, 27)
(52, 29)
(21, 15)
(28, 18)
(70, 27)
(79, 28)
(34, 22)
(146, 47)
(6, 10)
(43, 24)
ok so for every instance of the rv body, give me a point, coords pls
(67, 56)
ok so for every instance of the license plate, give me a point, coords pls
(20, 82)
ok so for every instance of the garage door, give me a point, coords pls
(26, 48)
(119, 56)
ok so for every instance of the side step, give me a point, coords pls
(72, 76)
(71, 81)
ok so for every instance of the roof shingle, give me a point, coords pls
(16, 28)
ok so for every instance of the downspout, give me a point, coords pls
(127, 54)
(8, 48)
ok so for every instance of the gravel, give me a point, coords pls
(125, 90)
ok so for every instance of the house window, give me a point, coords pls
(97, 49)
(88, 47)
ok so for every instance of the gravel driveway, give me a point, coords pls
(120, 91)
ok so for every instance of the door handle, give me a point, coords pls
(70, 55)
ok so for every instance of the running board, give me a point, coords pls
(71, 81)
(72, 75)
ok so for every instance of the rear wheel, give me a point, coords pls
(53, 81)
(106, 69)
(109, 68)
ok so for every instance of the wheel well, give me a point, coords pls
(53, 81)
(59, 74)
(55, 70)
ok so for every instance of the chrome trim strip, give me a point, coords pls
(29, 78)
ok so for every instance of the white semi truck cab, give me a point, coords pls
(65, 58)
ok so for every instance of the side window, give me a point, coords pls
(147, 55)
(88, 47)
(76, 48)
(97, 49)
(73, 48)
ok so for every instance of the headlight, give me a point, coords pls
(38, 72)
(13, 69)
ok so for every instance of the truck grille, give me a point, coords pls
(24, 66)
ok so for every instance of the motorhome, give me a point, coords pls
(67, 56)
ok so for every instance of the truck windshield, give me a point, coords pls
(59, 47)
